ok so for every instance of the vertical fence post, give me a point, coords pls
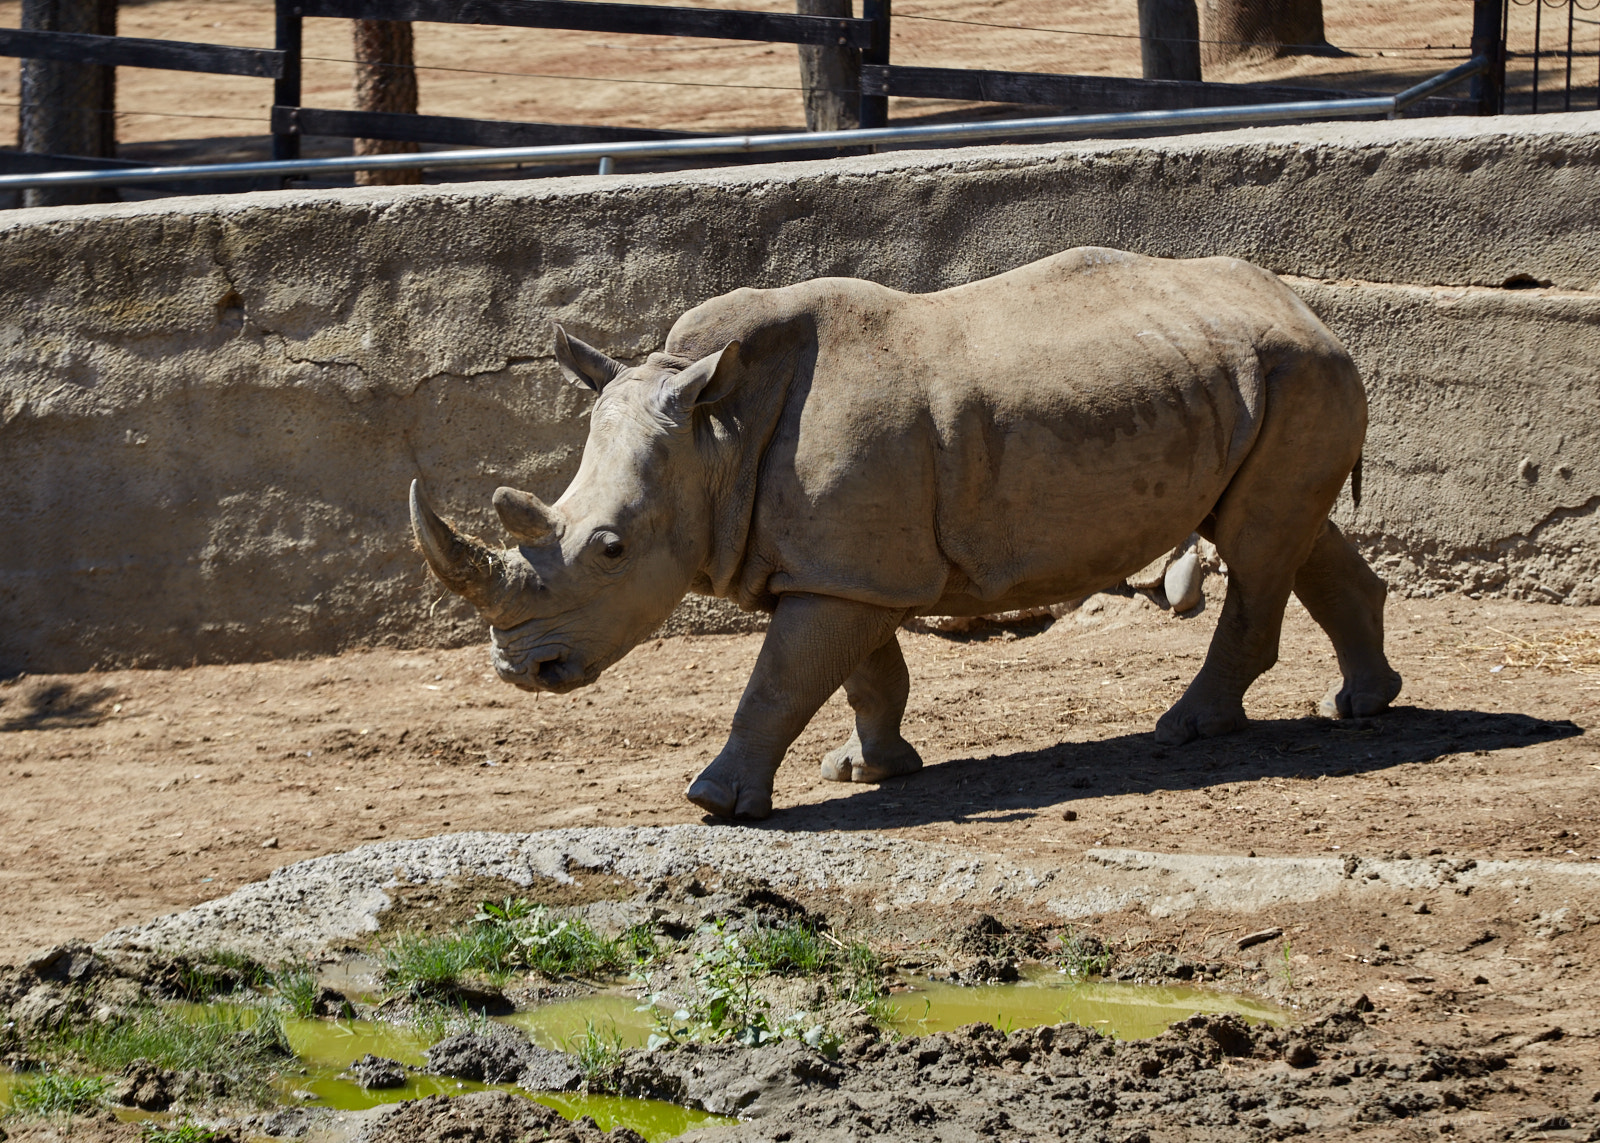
(68, 108)
(286, 91)
(1488, 90)
(829, 76)
(1169, 39)
(875, 108)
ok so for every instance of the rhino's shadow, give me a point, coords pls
(1016, 787)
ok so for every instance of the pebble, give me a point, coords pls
(1069, 815)
(270, 843)
(1422, 909)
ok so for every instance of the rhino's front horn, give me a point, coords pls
(462, 563)
(524, 515)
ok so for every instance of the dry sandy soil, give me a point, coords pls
(689, 84)
(133, 793)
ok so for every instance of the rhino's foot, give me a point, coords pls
(725, 796)
(1191, 719)
(1360, 698)
(847, 763)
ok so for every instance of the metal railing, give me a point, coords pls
(605, 153)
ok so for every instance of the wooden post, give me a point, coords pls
(1169, 39)
(1488, 39)
(875, 108)
(830, 76)
(1255, 29)
(69, 108)
(286, 89)
(386, 80)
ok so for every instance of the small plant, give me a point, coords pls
(640, 942)
(1288, 963)
(598, 1053)
(1084, 955)
(508, 910)
(792, 950)
(184, 1132)
(57, 1093)
(296, 989)
(435, 1021)
(725, 1004)
(503, 939)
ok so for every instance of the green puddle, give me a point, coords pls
(326, 1048)
(1044, 996)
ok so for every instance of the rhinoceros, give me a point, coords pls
(845, 456)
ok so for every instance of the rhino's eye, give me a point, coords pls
(613, 549)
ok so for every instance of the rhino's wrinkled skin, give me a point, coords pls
(845, 456)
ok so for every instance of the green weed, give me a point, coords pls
(57, 1093)
(1084, 955)
(296, 989)
(792, 950)
(506, 938)
(435, 1021)
(1288, 963)
(598, 1053)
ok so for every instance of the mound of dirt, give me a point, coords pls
(500, 1055)
(1207, 1078)
(486, 1117)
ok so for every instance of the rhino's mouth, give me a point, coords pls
(533, 664)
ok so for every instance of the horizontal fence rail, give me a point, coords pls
(1107, 93)
(595, 16)
(787, 141)
(130, 51)
(453, 130)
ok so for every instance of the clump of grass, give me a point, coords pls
(244, 1045)
(1083, 954)
(296, 989)
(216, 973)
(184, 1132)
(863, 983)
(509, 937)
(598, 1053)
(792, 950)
(436, 1021)
(58, 1093)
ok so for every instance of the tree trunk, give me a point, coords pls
(386, 80)
(1169, 39)
(1257, 29)
(69, 108)
(830, 76)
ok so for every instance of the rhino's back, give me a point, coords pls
(1033, 435)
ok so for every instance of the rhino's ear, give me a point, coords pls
(583, 364)
(708, 380)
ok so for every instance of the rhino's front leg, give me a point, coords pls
(877, 690)
(814, 643)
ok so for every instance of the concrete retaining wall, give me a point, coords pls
(210, 408)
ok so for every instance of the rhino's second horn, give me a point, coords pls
(524, 515)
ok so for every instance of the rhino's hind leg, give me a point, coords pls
(1346, 599)
(814, 643)
(1272, 516)
(877, 691)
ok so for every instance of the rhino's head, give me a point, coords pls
(600, 569)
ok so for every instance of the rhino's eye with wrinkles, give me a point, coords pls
(611, 546)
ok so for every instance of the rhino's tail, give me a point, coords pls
(1355, 483)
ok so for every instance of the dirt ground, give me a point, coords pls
(134, 793)
(707, 85)
(139, 792)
